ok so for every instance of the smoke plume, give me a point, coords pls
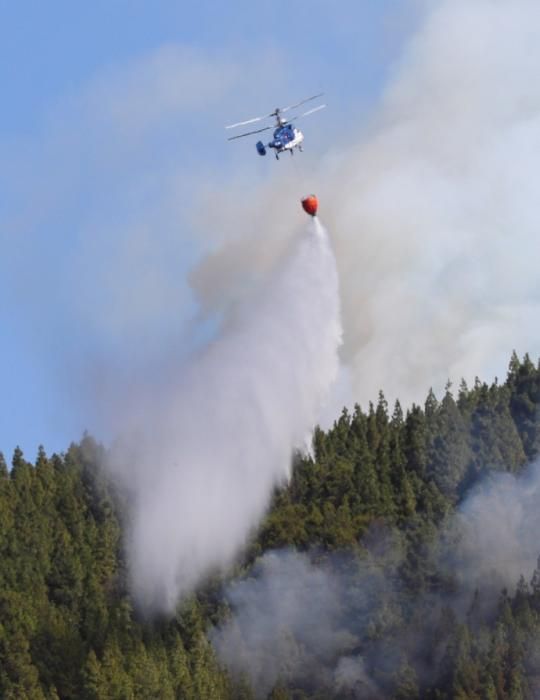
(434, 205)
(497, 529)
(287, 623)
(202, 450)
(301, 620)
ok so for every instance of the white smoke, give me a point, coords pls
(295, 620)
(434, 207)
(351, 675)
(202, 451)
(286, 624)
(496, 531)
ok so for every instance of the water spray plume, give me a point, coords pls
(201, 456)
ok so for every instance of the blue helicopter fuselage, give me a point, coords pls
(282, 136)
(286, 138)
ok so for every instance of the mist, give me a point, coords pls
(202, 448)
(301, 618)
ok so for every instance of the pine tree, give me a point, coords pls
(495, 441)
(179, 668)
(92, 682)
(448, 451)
(115, 681)
(535, 587)
(366, 484)
(3, 468)
(406, 683)
(382, 453)
(415, 441)
(523, 382)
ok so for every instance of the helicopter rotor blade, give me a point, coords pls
(310, 111)
(314, 97)
(248, 121)
(299, 116)
(249, 133)
(274, 113)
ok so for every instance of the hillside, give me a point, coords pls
(378, 545)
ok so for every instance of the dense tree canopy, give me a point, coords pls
(68, 628)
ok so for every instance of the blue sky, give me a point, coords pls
(50, 50)
(111, 123)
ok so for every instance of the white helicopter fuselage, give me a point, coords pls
(295, 142)
(286, 138)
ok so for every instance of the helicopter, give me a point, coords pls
(286, 136)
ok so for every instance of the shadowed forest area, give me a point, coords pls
(379, 515)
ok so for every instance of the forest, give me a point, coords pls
(394, 598)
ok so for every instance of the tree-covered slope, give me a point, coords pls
(374, 506)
